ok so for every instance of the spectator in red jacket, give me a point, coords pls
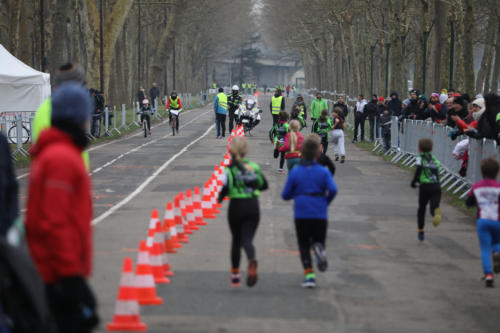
(59, 211)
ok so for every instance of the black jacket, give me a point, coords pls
(344, 108)
(9, 206)
(141, 96)
(154, 92)
(411, 110)
(370, 110)
(233, 101)
(395, 105)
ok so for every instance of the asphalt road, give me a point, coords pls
(380, 278)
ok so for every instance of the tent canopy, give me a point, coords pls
(21, 87)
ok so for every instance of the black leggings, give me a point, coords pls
(325, 146)
(243, 219)
(428, 193)
(309, 231)
(148, 122)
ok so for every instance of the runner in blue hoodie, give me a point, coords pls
(312, 187)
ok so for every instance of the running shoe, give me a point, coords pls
(149, 132)
(309, 281)
(496, 263)
(421, 235)
(252, 273)
(336, 158)
(437, 217)
(342, 159)
(489, 280)
(320, 254)
(235, 280)
(280, 171)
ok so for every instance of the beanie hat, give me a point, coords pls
(70, 72)
(381, 99)
(71, 102)
(435, 95)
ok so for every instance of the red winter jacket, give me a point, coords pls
(59, 210)
(286, 147)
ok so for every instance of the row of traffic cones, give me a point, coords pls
(188, 212)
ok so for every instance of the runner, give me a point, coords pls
(277, 136)
(484, 194)
(243, 182)
(292, 145)
(338, 135)
(322, 126)
(427, 175)
(312, 187)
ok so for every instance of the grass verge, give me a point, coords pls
(448, 197)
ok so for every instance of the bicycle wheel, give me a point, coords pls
(145, 127)
(173, 124)
(13, 136)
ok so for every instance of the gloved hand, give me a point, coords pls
(413, 184)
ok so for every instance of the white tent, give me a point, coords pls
(21, 87)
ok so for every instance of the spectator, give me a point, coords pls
(444, 96)
(381, 107)
(435, 109)
(412, 108)
(59, 211)
(288, 90)
(318, 105)
(451, 93)
(9, 206)
(422, 106)
(154, 93)
(371, 114)
(141, 95)
(395, 104)
(343, 107)
(486, 120)
(385, 124)
(95, 129)
(359, 119)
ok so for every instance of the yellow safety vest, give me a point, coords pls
(276, 104)
(222, 100)
(174, 104)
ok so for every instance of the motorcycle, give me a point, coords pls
(248, 115)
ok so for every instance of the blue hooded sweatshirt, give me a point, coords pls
(312, 187)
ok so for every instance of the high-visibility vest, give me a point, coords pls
(214, 85)
(43, 120)
(276, 104)
(222, 100)
(174, 103)
(244, 85)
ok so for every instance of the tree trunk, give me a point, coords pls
(496, 69)
(468, 47)
(483, 74)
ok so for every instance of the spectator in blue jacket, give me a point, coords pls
(312, 187)
(220, 109)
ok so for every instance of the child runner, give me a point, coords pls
(243, 182)
(322, 126)
(297, 115)
(485, 194)
(427, 175)
(277, 136)
(338, 135)
(312, 187)
(292, 146)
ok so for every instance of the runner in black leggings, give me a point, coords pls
(242, 184)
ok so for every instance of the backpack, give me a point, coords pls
(23, 302)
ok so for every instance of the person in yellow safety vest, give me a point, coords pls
(42, 119)
(244, 87)
(214, 85)
(277, 105)
(220, 109)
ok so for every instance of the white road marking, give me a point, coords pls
(142, 186)
(126, 138)
(141, 146)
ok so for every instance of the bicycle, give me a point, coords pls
(145, 120)
(174, 119)
(12, 133)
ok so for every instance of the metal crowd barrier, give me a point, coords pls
(17, 126)
(404, 150)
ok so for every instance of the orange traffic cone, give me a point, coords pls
(144, 280)
(178, 220)
(155, 255)
(206, 204)
(190, 211)
(198, 213)
(227, 159)
(159, 246)
(127, 317)
(185, 224)
(171, 240)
